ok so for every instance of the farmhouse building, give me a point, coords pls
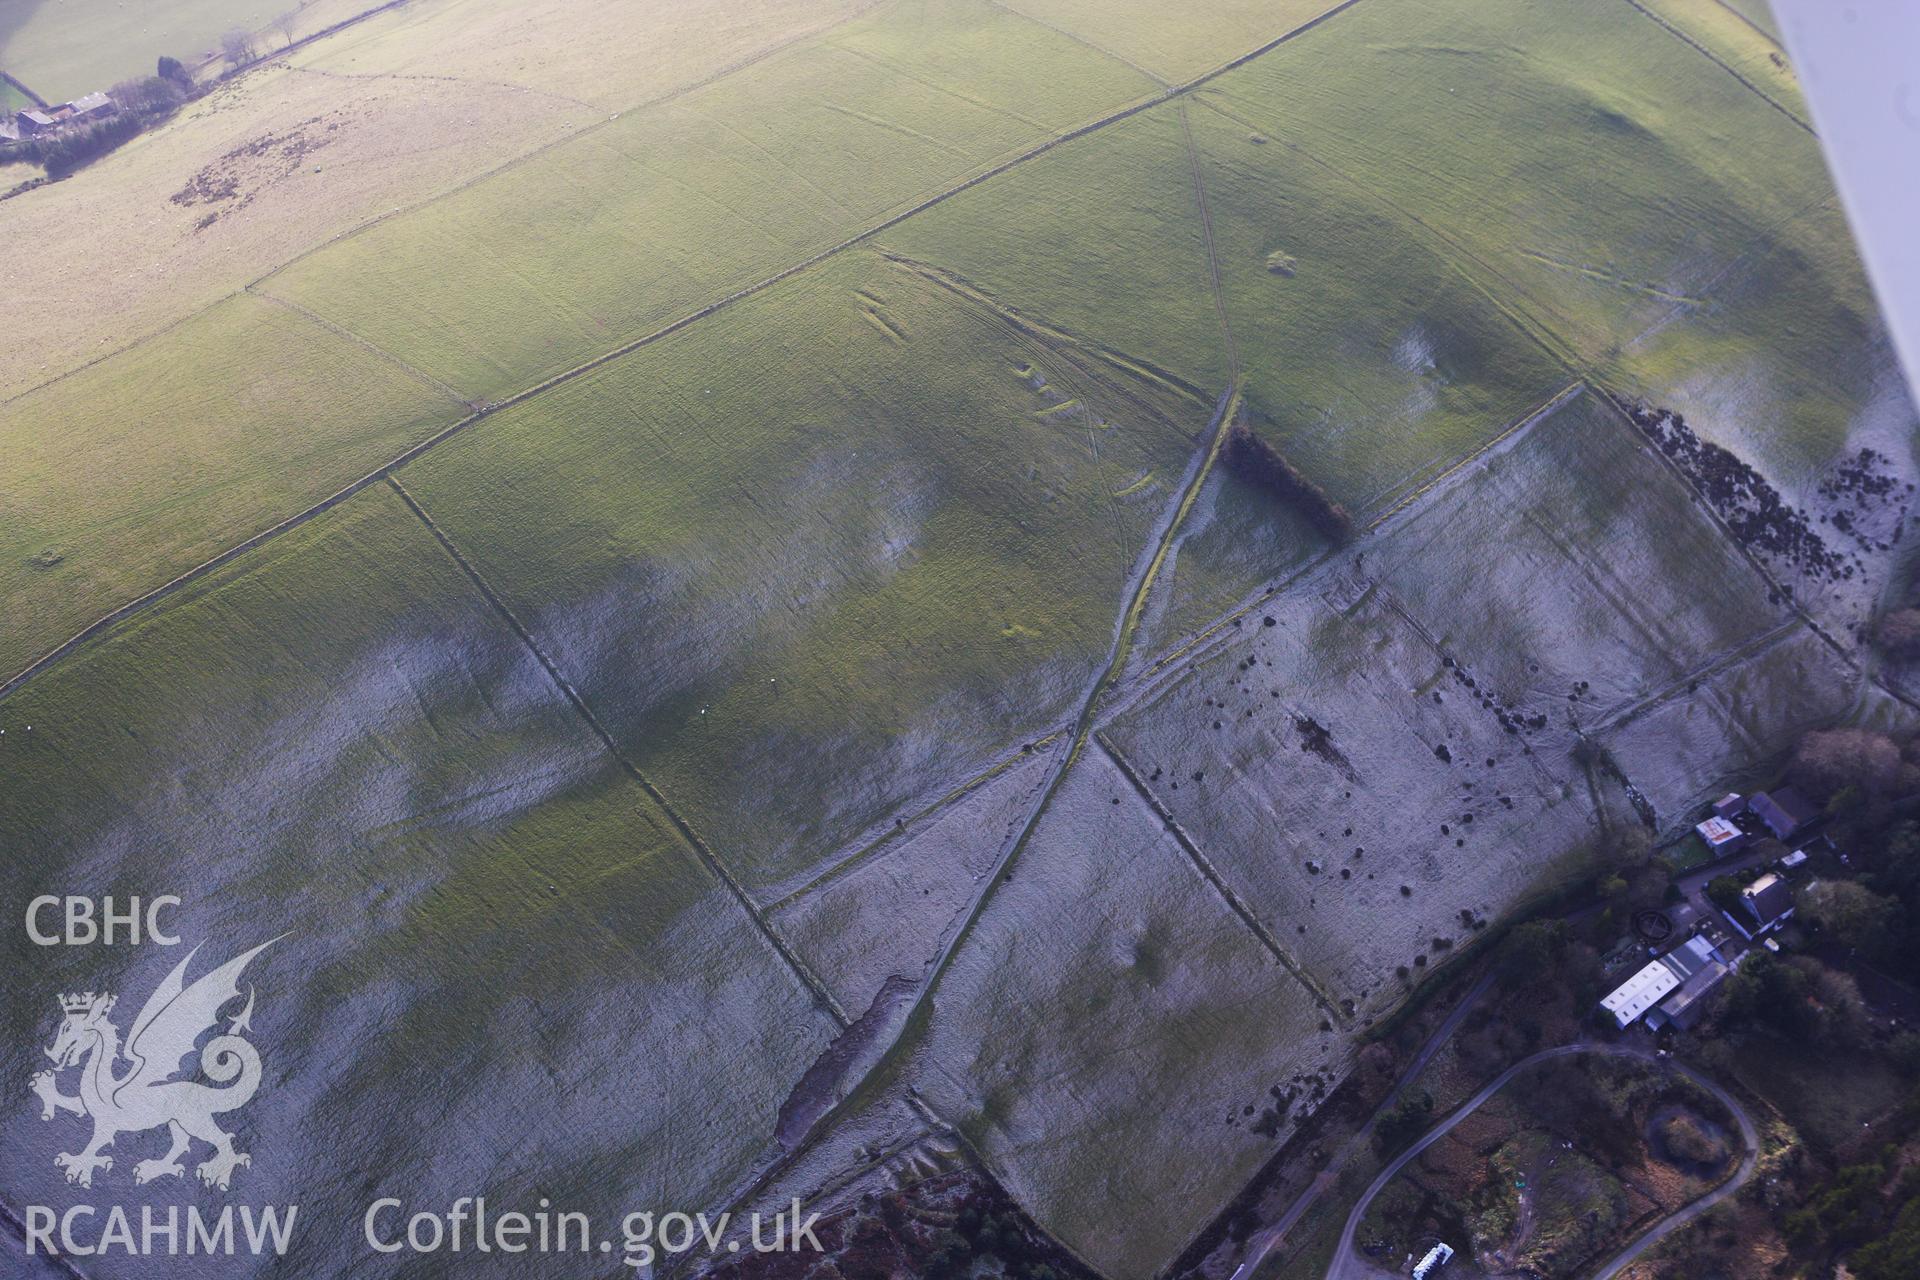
(1730, 805)
(94, 106)
(1766, 902)
(32, 120)
(1785, 811)
(1437, 1257)
(1721, 836)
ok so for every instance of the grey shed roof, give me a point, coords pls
(1785, 810)
(1689, 958)
(1683, 1007)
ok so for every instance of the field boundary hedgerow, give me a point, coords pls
(1548, 341)
(732, 68)
(697, 843)
(875, 845)
(1212, 876)
(1764, 34)
(424, 378)
(1710, 56)
(1680, 686)
(1084, 42)
(22, 90)
(1186, 649)
(141, 602)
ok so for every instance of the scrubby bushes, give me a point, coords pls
(63, 152)
(1830, 761)
(1900, 634)
(1260, 464)
(148, 95)
(1685, 1138)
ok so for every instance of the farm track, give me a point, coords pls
(1213, 255)
(1193, 649)
(917, 1013)
(1055, 340)
(139, 603)
(1714, 58)
(697, 843)
(1682, 685)
(877, 845)
(1263, 1241)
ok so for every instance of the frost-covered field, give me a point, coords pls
(824, 711)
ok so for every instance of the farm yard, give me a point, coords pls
(64, 48)
(712, 587)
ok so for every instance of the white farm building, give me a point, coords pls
(1658, 979)
(1639, 993)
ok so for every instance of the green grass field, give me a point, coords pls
(854, 548)
(1741, 35)
(1643, 170)
(515, 279)
(143, 466)
(1168, 41)
(1367, 357)
(1102, 239)
(1758, 12)
(1369, 360)
(64, 48)
(1789, 364)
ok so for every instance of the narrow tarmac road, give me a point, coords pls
(1265, 1239)
(1347, 1265)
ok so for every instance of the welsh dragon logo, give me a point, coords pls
(145, 1094)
